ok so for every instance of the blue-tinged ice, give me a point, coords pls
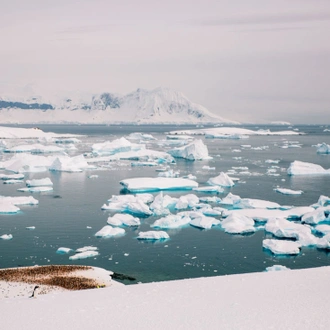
(12, 181)
(162, 203)
(140, 136)
(210, 189)
(186, 201)
(115, 146)
(6, 177)
(314, 217)
(36, 189)
(281, 247)
(63, 250)
(84, 255)
(238, 224)
(199, 220)
(35, 148)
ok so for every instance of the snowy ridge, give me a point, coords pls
(158, 106)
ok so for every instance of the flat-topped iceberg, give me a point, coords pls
(172, 221)
(35, 148)
(221, 180)
(286, 191)
(8, 208)
(36, 189)
(323, 148)
(129, 204)
(195, 150)
(84, 255)
(11, 176)
(281, 246)
(123, 220)
(238, 224)
(39, 182)
(153, 235)
(109, 231)
(210, 189)
(115, 146)
(155, 184)
(19, 200)
(304, 168)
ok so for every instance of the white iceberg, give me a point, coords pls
(323, 148)
(109, 231)
(251, 203)
(276, 268)
(161, 204)
(187, 201)
(155, 184)
(153, 235)
(8, 208)
(323, 229)
(70, 164)
(195, 150)
(140, 136)
(169, 174)
(322, 201)
(281, 246)
(201, 221)
(87, 248)
(6, 236)
(304, 168)
(63, 250)
(313, 217)
(39, 182)
(84, 255)
(238, 224)
(221, 180)
(13, 181)
(19, 200)
(115, 146)
(36, 189)
(230, 199)
(286, 191)
(210, 189)
(123, 220)
(35, 148)
(171, 221)
(11, 176)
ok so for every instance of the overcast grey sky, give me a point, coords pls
(247, 60)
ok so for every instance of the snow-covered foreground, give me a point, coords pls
(293, 299)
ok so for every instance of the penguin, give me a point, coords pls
(34, 293)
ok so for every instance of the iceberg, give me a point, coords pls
(210, 189)
(171, 221)
(322, 201)
(276, 268)
(123, 220)
(304, 168)
(109, 231)
(313, 217)
(281, 246)
(115, 146)
(187, 201)
(161, 204)
(84, 255)
(199, 220)
(11, 176)
(286, 191)
(230, 199)
(238, 224)
(169, 174)
(35, 148)
(6, 236)
(323, 229)
(153, 235)
(87, 248)
(195, 150)
(30, 228)
(8, 208)
(36, 189)
(251, 203)
(13, 181)
(323, 148)
(63, 250)
(324, 242)
(39, 182)
(156, 184)
(70, 164)
(140, 136)
(19, 200)
(221, 180)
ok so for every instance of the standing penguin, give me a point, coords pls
(34, 293)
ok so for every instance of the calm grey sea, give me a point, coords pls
(70, 215)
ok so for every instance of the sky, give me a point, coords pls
(251, 61)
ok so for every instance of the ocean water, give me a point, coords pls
(64, 216)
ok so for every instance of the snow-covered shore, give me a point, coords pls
(295, 299)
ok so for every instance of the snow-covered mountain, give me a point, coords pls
(158, 106)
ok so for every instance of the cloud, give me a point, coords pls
(276, 18)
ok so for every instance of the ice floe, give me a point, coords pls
(276, 268)
(304, 168)
(6, 236)
(210, 189)
(36, 189)
(286, 191)
(186, 201)
(221, 180)
(323, 148)
(196, 150)
(12, 181)
(172, 221)
(35, 148)
(109, 231)
(11, 176)
(39, 182)
(70, 164)
(115, 146)
(123, 220)
(140, 136)
(281, 246)
(63, 250)
(155, 184)
(313, 217)
(238, 224)
(84, 255)
(153, 235)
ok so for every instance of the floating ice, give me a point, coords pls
(195, 150)
(109, 231)
(93, 176)
(230, 199)
(272, 161)
(123, 220)
(187, 201)
(324, 242)
(286, 229)
(6, 236)
(322, 201)
(63, 250)
(39, 182)
(144, 164)
(286, 191)
(13, 181)
(179, 137)
(140, 136)
(36, 189)
(238, 224)
(169, 174)
(313, 217)
(281, 246)
(323, 148)
(35, 148)
(304, 168)
(210, 189)
(171, 221)
(8, 208)
(251, 203)
(276, 268)
(70, 164)
(115, 146)
(201, 221)
(11, 176)
(66, 140)
(84, 255)
(153, 235)
(155, 184)
(87, 248)
(19, 200)
(323, 229)
(161, 204)
(221, 180)
(30, 228)
(209, 211)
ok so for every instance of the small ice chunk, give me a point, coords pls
(109, 231)
(12, 181)
(221, 180)
(251, 203)
(84, 255)
(123, 220)
(153, 235)
(276, 268)
(31, 228)
(238, 224)
(286, 191)
(93, 176)
(230, 199)
(323, 148)
(281, 246)
(6, 236)
(39, 182)
(63, 250)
